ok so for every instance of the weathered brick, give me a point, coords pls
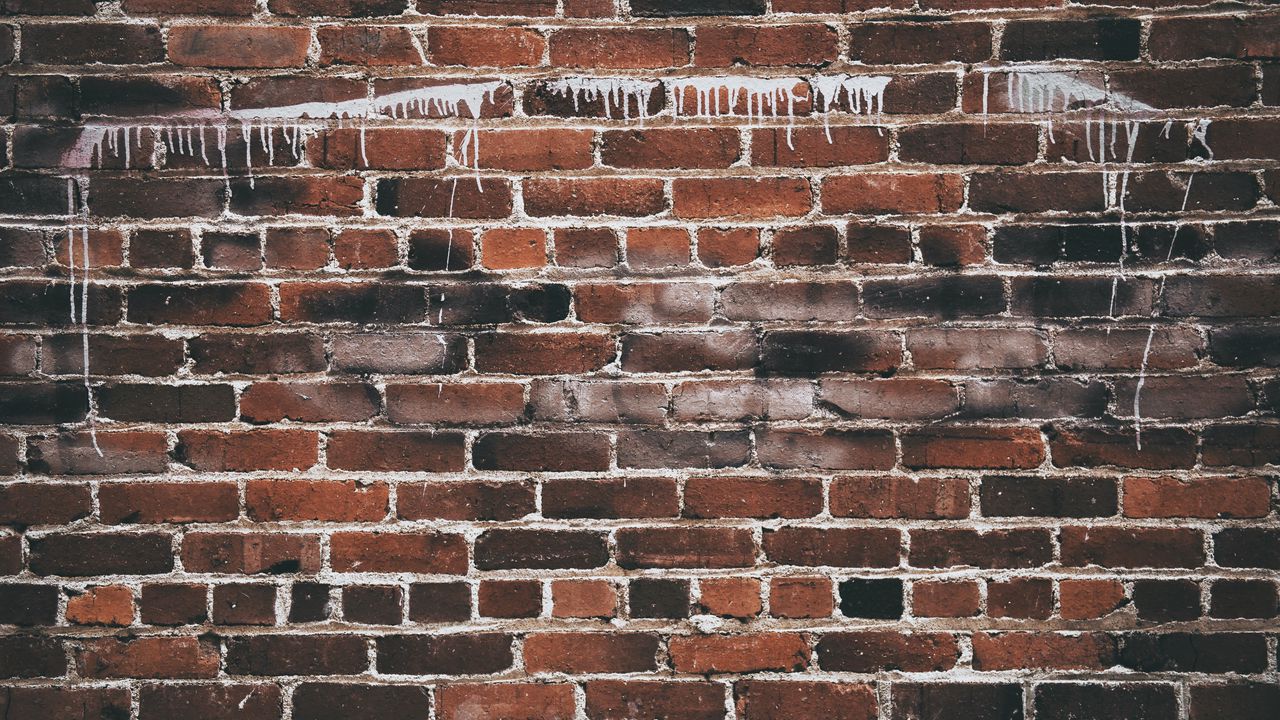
(443, 654)
(242, 46)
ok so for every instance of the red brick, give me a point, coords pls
(730, 597)
(189, 7)
(575, 653)
(1013, 447)
(173, 604)
(513, 248)
(645, 304)
(1220, 36)
(424, 552)
(465, 500)
(586, 247)
(742, 197)
(28, 503)
(1162, 448)
(235, 304)
(378, 148)
(543, 353)
(776, 699)
(776, 652)
(810, 147)
(884, 43)
(629, 497)
(873, 651)
(626, 197)
(1058, 651)
(1201, 497)
(238, 46)
(1020, 598)
(685, 547)
(946, 598)
(800, 597)
(302, 500)
(896, 194)
(1132, 547)
(441, 198)
(86, 43)
(833, 449)
(582, 599)
(272, 196)
(840, 547)
(501, 549)
(469, 404)
(617, 699)
(274, 402)
(1015, 548)
(250, 553)
(729, 45)
(620, 48)
(341, 8)
(496, 701)
(168, 502)
(395, 451)
(244, 604)
(102, 605)
(367, 46)
(358, 249)
(485, 46)
(665, 148)
(246, 450)
(296, 248)
(518, 8)
(1089, 599)
(158, 701)
(728, 247)
(148, 657)
(297, 655)
(529, 150)
(510, 598)
(55, 702)
(762, 497)
(899, 497)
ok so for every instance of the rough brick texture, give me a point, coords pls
(639, 359)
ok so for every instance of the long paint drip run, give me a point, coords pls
(618, 94)
(81, 188)
(1046, 92)
(1151, 331)
(1116, 188)
(859, 91)
(720, 97)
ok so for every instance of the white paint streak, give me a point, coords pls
(720, 97)
(617, 93)
(861, 91)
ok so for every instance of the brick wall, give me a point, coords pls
(653, 359)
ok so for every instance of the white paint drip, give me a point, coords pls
(617, 93)
(1044, 92)
(1118, 188)
(82, 185)
(1200, 134)
(861, 91)
(1151, 331)
(720, 96)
